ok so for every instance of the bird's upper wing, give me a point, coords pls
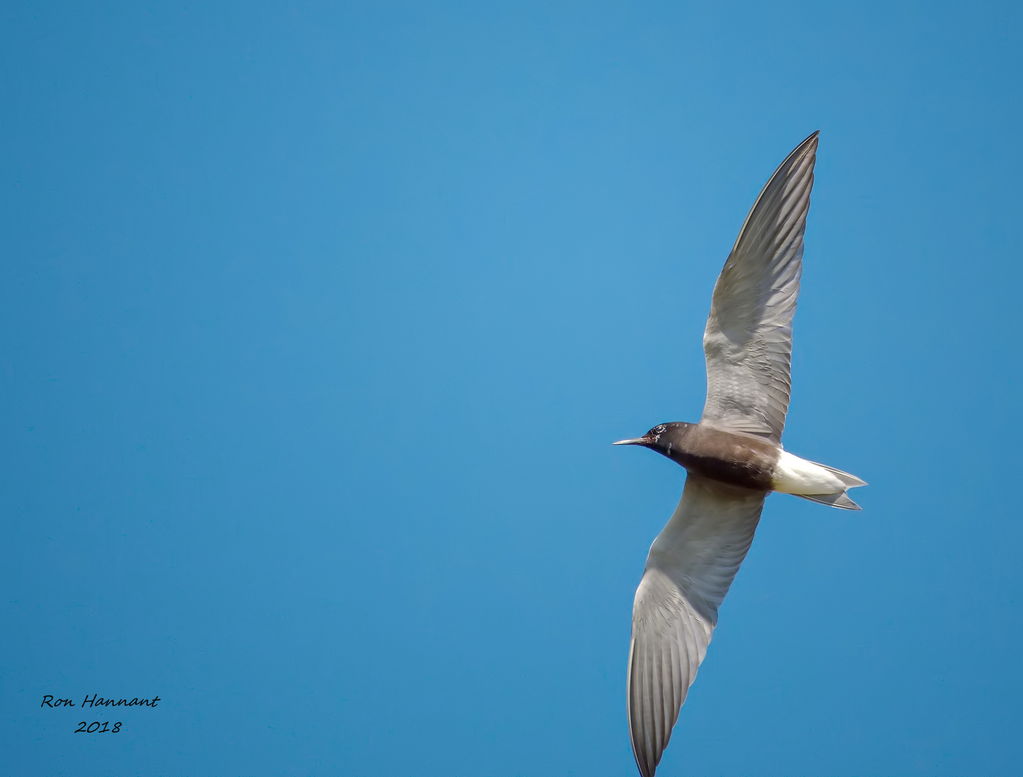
(690, 567)
(748, 340)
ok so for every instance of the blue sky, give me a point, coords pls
(319, 320)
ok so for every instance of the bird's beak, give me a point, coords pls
(636, 441)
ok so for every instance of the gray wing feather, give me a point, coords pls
(688, 572)
(748, 340)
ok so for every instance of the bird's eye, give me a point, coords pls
(660, 429)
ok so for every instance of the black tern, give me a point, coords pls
(733, 458)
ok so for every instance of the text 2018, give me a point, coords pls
(97, 728)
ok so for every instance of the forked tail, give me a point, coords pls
(840, 500)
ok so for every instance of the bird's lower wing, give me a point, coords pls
(690, 567)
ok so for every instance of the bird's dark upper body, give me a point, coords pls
(734, 458)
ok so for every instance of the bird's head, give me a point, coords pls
(663, 438)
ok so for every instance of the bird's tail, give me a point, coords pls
(840, 500)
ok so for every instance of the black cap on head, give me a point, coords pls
(661, 438)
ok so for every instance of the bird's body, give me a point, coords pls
(733, 457)
(745, 460)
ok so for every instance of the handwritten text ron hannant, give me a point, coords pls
(98, 701)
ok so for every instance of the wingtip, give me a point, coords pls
(810, 140)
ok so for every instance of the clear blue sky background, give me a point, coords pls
(318, 321)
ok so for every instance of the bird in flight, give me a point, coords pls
(733, 458)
